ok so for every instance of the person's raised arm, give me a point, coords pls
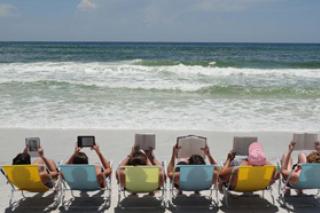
(76, 151)
(285, 164)
(106, 164)
(51, 168)
(171, 164)
(207, 153)
(227, 169)
(103, 160)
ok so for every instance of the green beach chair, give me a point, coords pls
(141, 179)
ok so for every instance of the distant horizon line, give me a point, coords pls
(164, 42)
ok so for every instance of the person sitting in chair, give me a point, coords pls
(287, 168)
(173, 171)
(139, 157)
(48, 170)
(79, 157)
(256, 157)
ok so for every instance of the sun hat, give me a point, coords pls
(256, 156)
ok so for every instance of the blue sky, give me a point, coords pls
(160, 20)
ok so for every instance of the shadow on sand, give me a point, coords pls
(192, 203)
(37, 203)
(133, 203)
(97, 202)
(302, 203)
(248, 203)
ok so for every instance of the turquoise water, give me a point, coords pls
(211, 86)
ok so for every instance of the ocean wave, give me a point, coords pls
(139, 65)
(212, 90)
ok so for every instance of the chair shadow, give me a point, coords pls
(134, 203)
(35, 203)
(192, 203)
(304, 203)
(97, 202)
(241, 203)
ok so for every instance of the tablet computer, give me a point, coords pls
(86, 141)
(145, 141)
(33, 144)
(305, 141)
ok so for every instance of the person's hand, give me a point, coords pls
(317, 146)
(175, 150)
(25, 150)
(96, 148)
(291, 146)
(41, 152)
(206, 150)
(77, 150)
(150, 154)
(231, 155)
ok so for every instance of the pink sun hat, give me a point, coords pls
(256, 156)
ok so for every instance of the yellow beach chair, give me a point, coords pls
(141, 179)
(251, 179)
(24, 178)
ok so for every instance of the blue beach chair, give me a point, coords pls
(195, 178)
(81, 178)
(308, 179)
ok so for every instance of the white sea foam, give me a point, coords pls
(127, 74)
(91, 95)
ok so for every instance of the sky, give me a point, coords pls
(161, 20)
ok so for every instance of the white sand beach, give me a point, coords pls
(115, 144)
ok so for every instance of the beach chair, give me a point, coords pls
(27, 178)
(82, 178)
(308, 179)
(195, 178)
(141, 179)
(250, 179)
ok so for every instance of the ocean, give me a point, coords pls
(196, 86)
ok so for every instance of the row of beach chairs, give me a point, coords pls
(145, 179)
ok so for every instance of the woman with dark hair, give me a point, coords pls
(173, 172)
(138, 157)
(47, 168)
(79, 157)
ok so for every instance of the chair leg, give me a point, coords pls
(11, 198)
(217, 196)
(226, 197)
(272, 196)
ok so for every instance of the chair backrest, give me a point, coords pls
(25, 177)
(142, 178)
(309, 176)
(195, 177)
(254, 178)
(80, 177)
